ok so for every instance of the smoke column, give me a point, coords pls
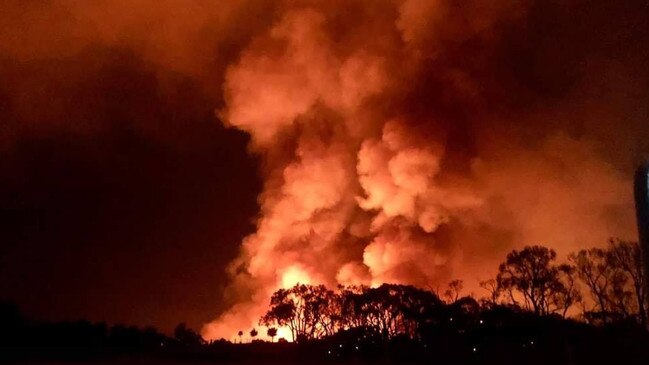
(386, 158)
(411, 141)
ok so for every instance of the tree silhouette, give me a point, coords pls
(568, 293)
(272, 332)
(532, 274)
(454, 289)
(615, 281)
(388, 310)
(308, 311)
(526, 301)
(491, 286)
(626, 257)
(409, 323)
(283, 311)
(594, 270)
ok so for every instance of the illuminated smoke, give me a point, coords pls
(412, 141)
(359, 187)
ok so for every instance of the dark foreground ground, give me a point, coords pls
(496, 336)
(576, 345)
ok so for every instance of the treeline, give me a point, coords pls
(588, 308)
(595, 286)
(18, 332)
(82, 339)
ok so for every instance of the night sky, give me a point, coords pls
(123, 197)
(132, 216)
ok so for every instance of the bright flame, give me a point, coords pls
(285, 333)
(294, 275)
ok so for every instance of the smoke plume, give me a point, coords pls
(404, 141)
(393, 151)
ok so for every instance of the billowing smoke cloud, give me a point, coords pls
(388, 157)
(408, 141)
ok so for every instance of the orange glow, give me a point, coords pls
(397, 141)
(361, 189)
(285, 333)
(294, 275)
